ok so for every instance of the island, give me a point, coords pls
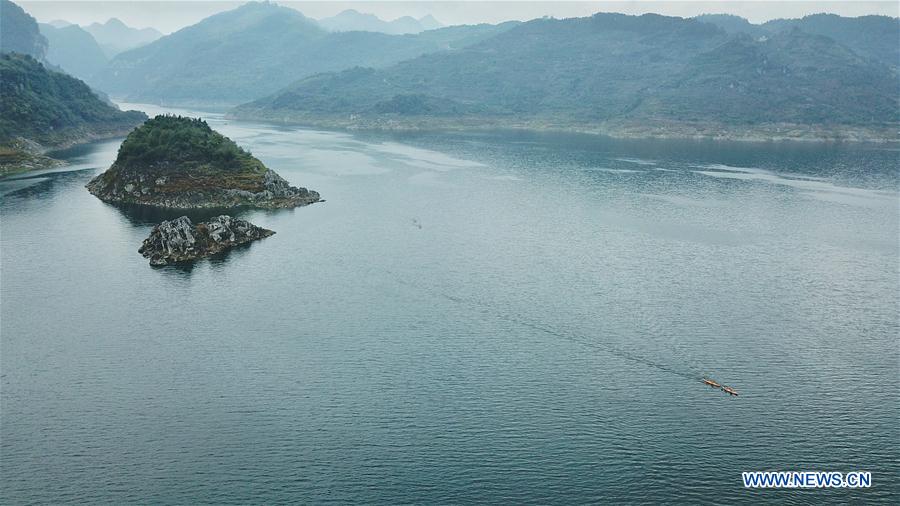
(181, 163)
(180, 240)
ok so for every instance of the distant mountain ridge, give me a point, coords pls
(41, 108)
(875, 37)
(353, 20)
(19, 32)
(644, 75)
(74, 50)
(114, 36)
(257, 49)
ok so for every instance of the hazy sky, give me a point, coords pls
(170, 15)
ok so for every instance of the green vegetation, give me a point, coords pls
(257, 49)
(20, 157)
(52, 108)
(19, 32)
(170, 141)
(40, 108)
(873, 37)
(613, 73)
(178, 162)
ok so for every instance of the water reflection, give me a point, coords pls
(215, 262)
(142, 215)
(43, 185)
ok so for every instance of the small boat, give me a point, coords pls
(711, 383)
(730, 391)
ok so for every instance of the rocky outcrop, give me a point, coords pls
(164, 187)
(22, 155)
(182, 163)
(180, 240)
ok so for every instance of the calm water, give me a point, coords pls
(502, 318)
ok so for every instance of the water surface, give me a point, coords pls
(502, 318)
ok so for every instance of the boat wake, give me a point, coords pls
(617, 351)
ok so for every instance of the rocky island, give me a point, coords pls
(182, 163)
(180, 240)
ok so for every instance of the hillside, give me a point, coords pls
(255, 50)
(53, 108)
(19, 32)
(41, 109)
(73, 50)
(618, 74)
(177, 162)
(874, 37)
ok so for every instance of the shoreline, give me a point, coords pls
(659, 131)
(30, 155)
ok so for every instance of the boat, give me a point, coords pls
(711, 383)
(730, 391)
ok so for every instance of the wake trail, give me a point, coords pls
(614, 350)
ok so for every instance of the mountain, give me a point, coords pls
(428, 22)
(733, 24)
(40, 109)
(19, 32)
(791, 77)
(352, 20)
(876, 37)
(644, 75)
(59, 23)
(73, 50)
(257, 49)
(43, 106)
(873, 37)
(115, 36)
(52, 108)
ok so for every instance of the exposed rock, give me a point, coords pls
(22, 155)
(185, 192)
(181, 163)
(180, 240)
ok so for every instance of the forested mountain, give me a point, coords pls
(352, 20)
(19, 32)
(41, 108)
(257, 49)
(791, 77)
(73, 50)
(650, 73)
(876, 37)
(115, 36)
(52, 108)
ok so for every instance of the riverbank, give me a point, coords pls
(620, 130)
(24, 155)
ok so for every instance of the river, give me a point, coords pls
(499, 317)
